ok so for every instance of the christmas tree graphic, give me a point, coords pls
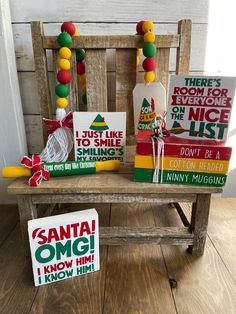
(99, 124)
(177, 128)
(147, 115)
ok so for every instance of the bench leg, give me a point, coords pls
(27, 211)
(199, 223)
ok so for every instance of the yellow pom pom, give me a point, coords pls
(64, 64)
(139, 52)
(149, 77)
(61, 102)
(83, 88)
(148, 26)
(65, 53)
(82, 79)
(76, 31)
(149, 37)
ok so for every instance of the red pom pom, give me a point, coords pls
(64, 77)
(139, 28)
(68, 27)
(149, 64)
(80, 68)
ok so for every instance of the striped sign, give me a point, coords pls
(183, 164)
(184, 148)
(182, 177)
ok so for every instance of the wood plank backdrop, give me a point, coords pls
(97, 18)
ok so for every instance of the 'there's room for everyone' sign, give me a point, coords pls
(200, 106)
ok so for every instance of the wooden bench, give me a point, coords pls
(115, 187)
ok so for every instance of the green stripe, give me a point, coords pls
(70, 168)
(182, 177)
(99, 128)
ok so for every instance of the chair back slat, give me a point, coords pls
(96, 79)
(74, 95)
(96, 68)
(125, 83)
(183, 51)
(41, 72)
(162, 70)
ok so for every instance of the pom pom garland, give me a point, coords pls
(149, 50)
(62, 90)
(149, 37)
(149, 77)
(64, 40)
(62, 102)
(80, 67)
(65, 53)
(64, 77)
(80, 54)
(149, 64)
(146, 29)
(139, 28)
(68, 27)
(64, 64)
(148, 26)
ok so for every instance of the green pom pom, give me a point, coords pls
(62, 90)
(80, 54)
(64, 39)
(84, 98)
(149, 50)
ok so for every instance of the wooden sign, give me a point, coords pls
(184, 148)
(181, 177)
(99, 136)
(199, 107)
(148, 100)
(185, 161)
(64, 246)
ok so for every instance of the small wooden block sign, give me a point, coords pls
(148, 100)
(64, 246)
(99, 136)
(199, 107)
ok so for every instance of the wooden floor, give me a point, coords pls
(132, 279)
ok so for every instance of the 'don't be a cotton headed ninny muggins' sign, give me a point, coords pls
(200, 106)
(64, 246)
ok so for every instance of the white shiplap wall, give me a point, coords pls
(97, 17)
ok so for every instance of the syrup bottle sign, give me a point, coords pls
(148, 100)
(199, 107)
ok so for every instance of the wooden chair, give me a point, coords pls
(111, 187)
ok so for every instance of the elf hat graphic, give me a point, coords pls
(177, 128)
(147, 114)
(99, 124)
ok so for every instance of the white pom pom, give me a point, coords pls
(60, 114)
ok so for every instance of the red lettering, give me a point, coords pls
(84, 228)
(42, 236)
(224, 116)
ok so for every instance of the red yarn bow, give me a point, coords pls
(55, 124)
(39, 173)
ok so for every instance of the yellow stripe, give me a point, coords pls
(185, 164)
(99, 124)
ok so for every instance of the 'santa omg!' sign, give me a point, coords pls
(64, 246)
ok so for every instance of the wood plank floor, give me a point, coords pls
(132, 279)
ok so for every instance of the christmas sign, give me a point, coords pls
(64, 246)
(148, 100)
(199, 107)
(99, 136)
(183, 161)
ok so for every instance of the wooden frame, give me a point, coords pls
(121, 188)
